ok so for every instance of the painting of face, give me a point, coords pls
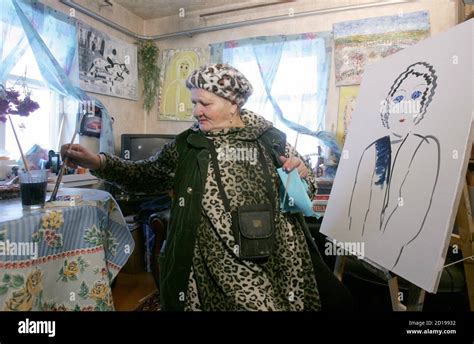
(404, 105)
(175, 98)
(184, 69)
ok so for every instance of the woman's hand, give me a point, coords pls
(80, 156)
(289, 164)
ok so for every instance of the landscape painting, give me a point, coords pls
(359, 43)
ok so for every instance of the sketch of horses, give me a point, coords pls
(107, 69)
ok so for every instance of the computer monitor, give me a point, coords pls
(142, 146)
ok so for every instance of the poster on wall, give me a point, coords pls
(347, 103)
(106, 65)
(359, 43)
(175, 98)
(397, 190)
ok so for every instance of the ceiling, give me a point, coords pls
(151, 9)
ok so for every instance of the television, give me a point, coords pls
(142, 146)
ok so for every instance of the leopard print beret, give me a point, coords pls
(222, 80)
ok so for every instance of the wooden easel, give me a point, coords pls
(464, 240)
(416, 295)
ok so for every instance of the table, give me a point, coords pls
(63, 257)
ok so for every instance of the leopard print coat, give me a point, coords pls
(219, 279)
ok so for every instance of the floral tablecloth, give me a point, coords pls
(62, 257)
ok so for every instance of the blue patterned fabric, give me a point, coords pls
(71, 249)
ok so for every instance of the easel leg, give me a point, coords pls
(397, 306)
(416, 295)
(466, 232)
(416, 298)
(469, 272)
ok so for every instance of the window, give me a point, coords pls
(40, 127)
(53, 123)
(299, 67)
(294, 96)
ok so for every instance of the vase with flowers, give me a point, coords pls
(15, 102)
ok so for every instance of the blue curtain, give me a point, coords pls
(17, 46)
(52, 37)
(304, 113)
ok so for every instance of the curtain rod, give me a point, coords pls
(212, 28)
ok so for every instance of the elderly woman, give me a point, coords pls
(226, 162)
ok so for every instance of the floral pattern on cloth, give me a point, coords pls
(50, 224)
(102, 295)
(98, 236)
(27, 290)
(86, 294)
(79, 249)
(99, 292)
(71, 269)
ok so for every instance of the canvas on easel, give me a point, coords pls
(400, 177)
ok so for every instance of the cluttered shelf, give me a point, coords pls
(321, 199)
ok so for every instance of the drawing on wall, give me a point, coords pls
(347, 103)
(398, 186)
(359, 43)
(175, 98)
(392, 159)
(106, 65)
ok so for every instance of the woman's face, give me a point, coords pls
(404, 106)
(211, 111)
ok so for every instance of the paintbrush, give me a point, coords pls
(64, 166)
(25, 162)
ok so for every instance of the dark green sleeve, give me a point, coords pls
(153, 175)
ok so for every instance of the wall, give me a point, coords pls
(468, 9)
(443, 15)
(128, 114)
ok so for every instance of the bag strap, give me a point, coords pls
(266, 173)
(215, 163)
(267, 176)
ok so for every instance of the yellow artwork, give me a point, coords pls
(175, 98)
(347, 103)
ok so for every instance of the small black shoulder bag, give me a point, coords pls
(253, 226)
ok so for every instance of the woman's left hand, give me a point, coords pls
(289, 164)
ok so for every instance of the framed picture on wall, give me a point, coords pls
(347, 103)
(106, 65)
(359, 43)
(175, 99)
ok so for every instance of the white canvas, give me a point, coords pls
(106, 65)
(423, 94)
